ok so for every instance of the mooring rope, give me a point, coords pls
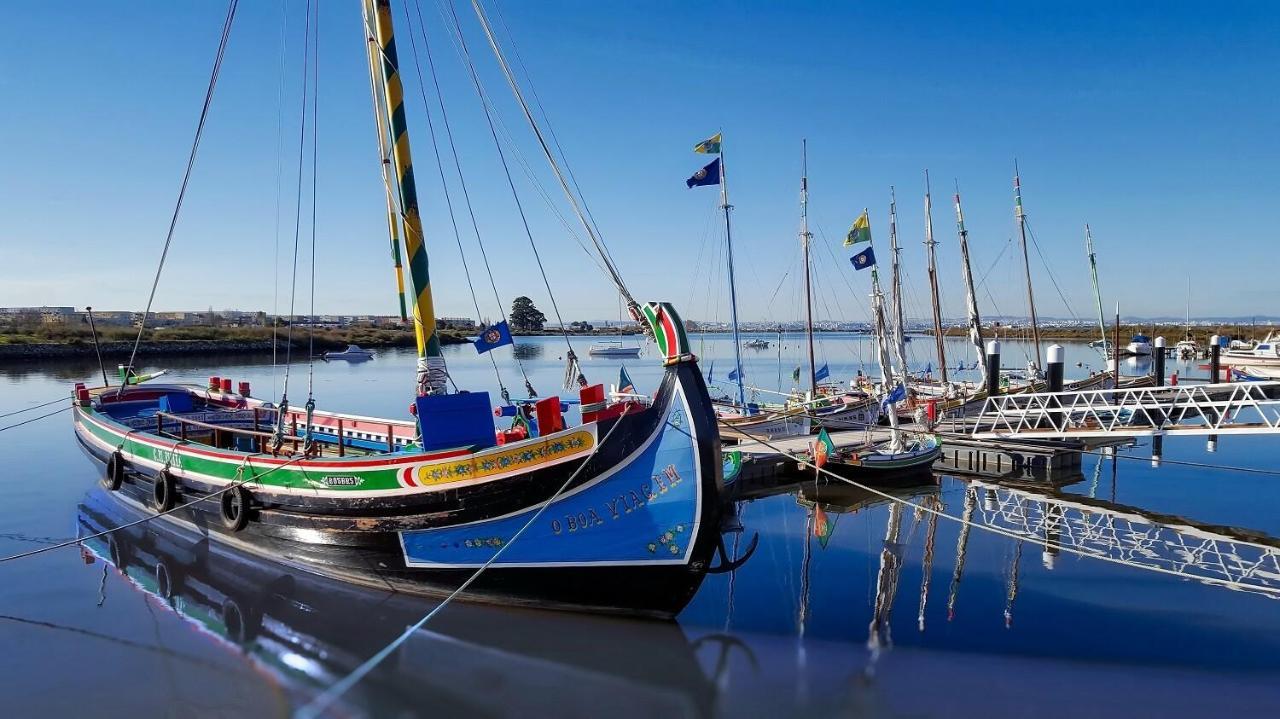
(148, 518)
(186, 177)
(34, 406)
(994, 530)
(326, 698)
(34, 419)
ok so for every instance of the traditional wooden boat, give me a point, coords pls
(904, 459)
(616, 514)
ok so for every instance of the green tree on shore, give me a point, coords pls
(525, 317)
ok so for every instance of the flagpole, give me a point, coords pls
(733, 287)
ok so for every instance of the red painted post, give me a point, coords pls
(342, 442)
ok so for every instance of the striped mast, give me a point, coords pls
(970, 295)
(1026, 261)
(431, 375)
(384, 157)
(930, 245)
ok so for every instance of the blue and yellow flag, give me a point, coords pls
(860, 232)
(709, 146)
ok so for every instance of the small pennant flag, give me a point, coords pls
(823, 448)
(860, 232)
(795, 374)
(897, 395)
(710, 369)
(709, 175)
(734, 375)
(493, 337)
(823, 526)
(822, 373)
(709, 146)
(864, 259)
(625, 385)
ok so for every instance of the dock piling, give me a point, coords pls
(1158, 362)
(993, 368)
(1053, 368)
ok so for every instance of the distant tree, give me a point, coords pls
(526, 317)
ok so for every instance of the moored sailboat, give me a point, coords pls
(618, 513)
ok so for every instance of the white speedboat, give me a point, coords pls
(1139, 346)
(756, 344)
(613, 349)
(1187, 349)
(1262, 354)
(353, 353)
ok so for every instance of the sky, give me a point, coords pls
(1158, 124)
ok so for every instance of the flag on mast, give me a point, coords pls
(709, 175)
(709, 146)
(823, 448)
(860, 232)
(864, 259)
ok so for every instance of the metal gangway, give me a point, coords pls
(1227, 557)
(1213, 409)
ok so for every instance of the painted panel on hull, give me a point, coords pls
(645, 511)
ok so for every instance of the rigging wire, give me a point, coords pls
(533, 124)
(1049, 271)
(315, 161)
(573, 368)
(297, 226)
(221, 52)
(466, 194)
(275, 243)
(326, 698)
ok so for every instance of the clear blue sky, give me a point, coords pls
(1158, 124)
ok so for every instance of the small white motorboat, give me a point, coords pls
(1139, 346)
(1187, 349)
(1261, 354)
(756, 344)
(613, 349)
(353, 353)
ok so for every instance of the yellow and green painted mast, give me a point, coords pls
(431, 368)
(384, 159)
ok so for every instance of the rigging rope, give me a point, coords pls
(315, 160)
(572, 371)
(326, 698)
(275, 243)
(1048, 270)
(632, 306)
(186, 176)
(297, 229)
(448, 198)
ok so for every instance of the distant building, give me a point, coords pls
(455, 323)
(47, 315)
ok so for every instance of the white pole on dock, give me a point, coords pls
(1158, 363)
(993, 368)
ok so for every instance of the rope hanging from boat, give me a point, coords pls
(186, 176)
(632, 307)
(573, 371)
(283, 410)
(325, 699)
(448, 198)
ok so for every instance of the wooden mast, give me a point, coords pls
(930, 244)
(899, 324)
(1097, 292)
(432, 376)
(805, 238)
(1026, 261)
(970, 294)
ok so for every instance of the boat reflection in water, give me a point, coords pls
(790, 631)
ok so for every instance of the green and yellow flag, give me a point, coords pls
(860, 232)
(709, 146)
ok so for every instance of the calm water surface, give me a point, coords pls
(897, 613)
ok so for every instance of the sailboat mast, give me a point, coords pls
(899, 324)
(1026, 261)
(431, 373)
(970, 294)
(1097, 293)
(882, 345)
(733, 287)
(805, 238)
(930, 244)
